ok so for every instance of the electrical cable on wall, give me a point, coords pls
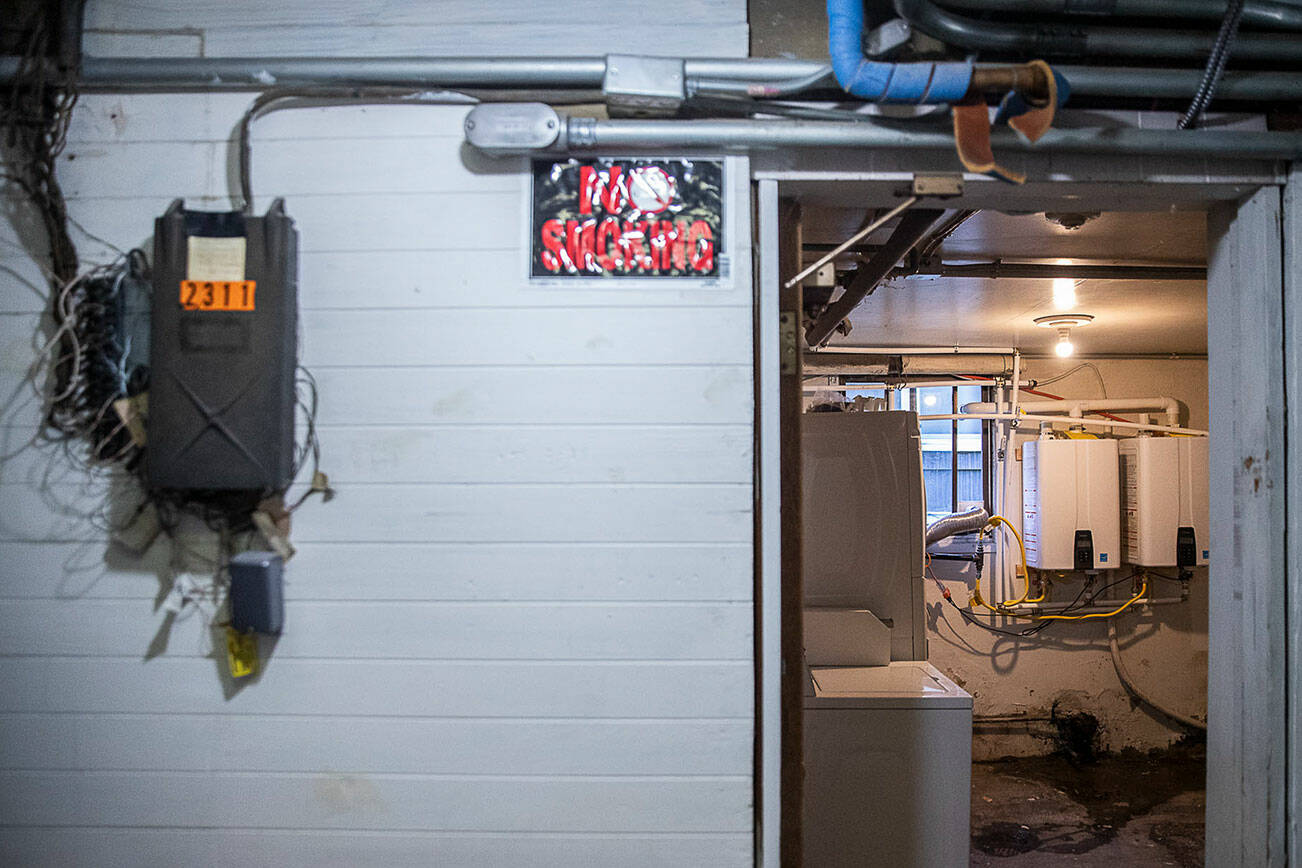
(100, 355)
(1129, 683)
(35, 113)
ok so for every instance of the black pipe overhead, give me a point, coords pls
(1034, 270)
(1073, 40)
(911, 229)
(1264, 14)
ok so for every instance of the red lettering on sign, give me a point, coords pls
(634, 250)
(606, 230)
(665, 233)
(553, 236)
(573, 256)
(604, 187)
(701, 240)
(679, 246)
(612, 193)
(588, 245)
(587, 186)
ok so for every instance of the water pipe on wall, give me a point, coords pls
(1076, 408)
(1095, 423)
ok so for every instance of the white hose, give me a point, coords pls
(1143, 697)
(1079, 422)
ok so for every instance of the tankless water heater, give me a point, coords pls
(1071, 504)
(1165, 490)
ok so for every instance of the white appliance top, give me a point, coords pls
(902, 684)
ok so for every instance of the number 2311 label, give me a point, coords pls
(218, 294)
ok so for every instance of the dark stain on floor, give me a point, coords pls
(1129, 808)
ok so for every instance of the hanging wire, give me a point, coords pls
(1215, 68)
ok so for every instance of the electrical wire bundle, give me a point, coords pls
(35, 112)
(98, 365)
(1072, 612)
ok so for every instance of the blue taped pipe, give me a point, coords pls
(886, 82)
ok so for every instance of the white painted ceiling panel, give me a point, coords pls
(1130, 316)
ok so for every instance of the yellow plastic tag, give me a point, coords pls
(241, 653)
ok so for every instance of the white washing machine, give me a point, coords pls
(888, 768)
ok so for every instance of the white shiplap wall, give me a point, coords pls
(522, 632)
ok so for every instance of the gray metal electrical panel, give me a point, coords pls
(224, 350)
(865, 520)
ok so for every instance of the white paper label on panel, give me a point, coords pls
(214, 259)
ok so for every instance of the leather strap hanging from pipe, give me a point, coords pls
(912, 228)
(972, 124)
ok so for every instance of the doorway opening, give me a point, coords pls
(1087, 678)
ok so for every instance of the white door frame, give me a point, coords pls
(1254, 802)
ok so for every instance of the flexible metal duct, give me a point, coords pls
(960, 522)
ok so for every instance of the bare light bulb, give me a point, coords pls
(1064, 347)
(1064, 293)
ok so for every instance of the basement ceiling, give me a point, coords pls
(1130, 316)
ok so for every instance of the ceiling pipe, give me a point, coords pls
(911, 229)
(1075, 407)
(580, 73)
(1092, 423)
(1181, 84)
(1073, 40)
(830, 363)
(1256, 13)
(925, 351)
(1025, 270)
(584, 134)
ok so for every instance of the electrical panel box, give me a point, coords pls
(1071, 504)
(1165, 487)
(223, 350)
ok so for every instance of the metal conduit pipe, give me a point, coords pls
(1072, 40)
(591, 134)
(1055, 608)
(832, 363)
(924, 351)
(1256, 13)
(1180, 84)
(580, 73)
(1040, 271)
(545, 73)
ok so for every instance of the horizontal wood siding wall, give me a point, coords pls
(521, 633)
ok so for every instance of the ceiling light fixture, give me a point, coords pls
(1063, 323)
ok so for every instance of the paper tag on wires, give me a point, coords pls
(241, 653)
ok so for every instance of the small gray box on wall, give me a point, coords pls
(257, 594)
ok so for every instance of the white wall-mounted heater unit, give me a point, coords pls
(1164, 483)
(1071, 504)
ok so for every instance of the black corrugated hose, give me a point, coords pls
(1215, 66)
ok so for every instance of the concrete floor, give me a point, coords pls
(1127, 809)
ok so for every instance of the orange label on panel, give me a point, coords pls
(217, 294)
